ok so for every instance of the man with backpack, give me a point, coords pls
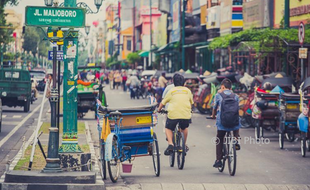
(226, 106)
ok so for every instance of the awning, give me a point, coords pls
(196, 44)
(144, 53)
(166, 47)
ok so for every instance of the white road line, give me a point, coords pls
(19, 125)
(4, 123)
(17, 116)
(3, 116)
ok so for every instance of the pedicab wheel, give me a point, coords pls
(257, 132)
(281, 140)
(290, 137)
(114, 164)
(156, 155)
(181, 151)
(221, 169)
(303, 147)
(232, 158)
(102, 163)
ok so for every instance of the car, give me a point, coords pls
(0, 114)
(40, 77)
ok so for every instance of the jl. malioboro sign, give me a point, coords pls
(51, 16)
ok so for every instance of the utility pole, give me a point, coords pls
(151, 35)
(183, 34)
(133, 27)
(287, 14)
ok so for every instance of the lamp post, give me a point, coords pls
(70, 131)
(287, 14)
(69, 142)
(183, 33)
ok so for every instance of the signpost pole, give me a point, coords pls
(52, 160)
(302, 68)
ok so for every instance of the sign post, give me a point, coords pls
(301, 38)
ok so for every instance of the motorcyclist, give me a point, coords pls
(134, 83)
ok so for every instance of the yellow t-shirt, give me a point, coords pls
(180, 101)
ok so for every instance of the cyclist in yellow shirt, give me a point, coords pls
(180, 101)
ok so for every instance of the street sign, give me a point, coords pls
(60, 55)
(303, 52)
(301, 33)
(59, 17)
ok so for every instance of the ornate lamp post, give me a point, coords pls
(70, 137)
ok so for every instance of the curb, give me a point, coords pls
(208, 186)
(93, 154)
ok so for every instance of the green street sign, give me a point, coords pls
(59, 17)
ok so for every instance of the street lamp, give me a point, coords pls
(87, 29)
(48, 3)
(98, 3)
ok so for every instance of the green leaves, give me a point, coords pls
(265, 38)
(133, 57)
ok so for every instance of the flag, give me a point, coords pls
(106, 130)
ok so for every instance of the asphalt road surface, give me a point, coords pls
(16, 126)
(257, 162)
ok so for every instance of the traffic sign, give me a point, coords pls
(59, 17)
(303, 52)
(60, 55)
(301, 33)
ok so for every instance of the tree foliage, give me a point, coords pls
(32, 37)
(264, 37)
(133, 57)
(5, 33)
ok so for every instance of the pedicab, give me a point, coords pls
(289, 112)
(266, 113)
(89, 91)
(127, 133)
(303, 119)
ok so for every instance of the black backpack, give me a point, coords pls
(229, 111)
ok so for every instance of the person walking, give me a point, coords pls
(226, 107)
(124, 80)
(49, 89)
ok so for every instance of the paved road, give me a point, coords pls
(258, 163)
(17, 124)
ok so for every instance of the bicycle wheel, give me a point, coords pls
(221, 169)
(155, 155)
(172, 155)
(114, 164)
(303, 147)
(232, 158)
(102, 162)
(181, 151)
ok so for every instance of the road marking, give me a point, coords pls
(4, 116)
(10, 123)
(17, 116)
(19, 125)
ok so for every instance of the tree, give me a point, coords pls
(133, 57)
(32, 37)
(5, 33)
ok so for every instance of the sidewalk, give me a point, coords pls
(207, 186)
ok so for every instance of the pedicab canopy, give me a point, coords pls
(306, 84)
(285, 83)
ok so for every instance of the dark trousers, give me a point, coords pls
(220, 140)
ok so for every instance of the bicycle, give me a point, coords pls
(179, 146)
(230, 155)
